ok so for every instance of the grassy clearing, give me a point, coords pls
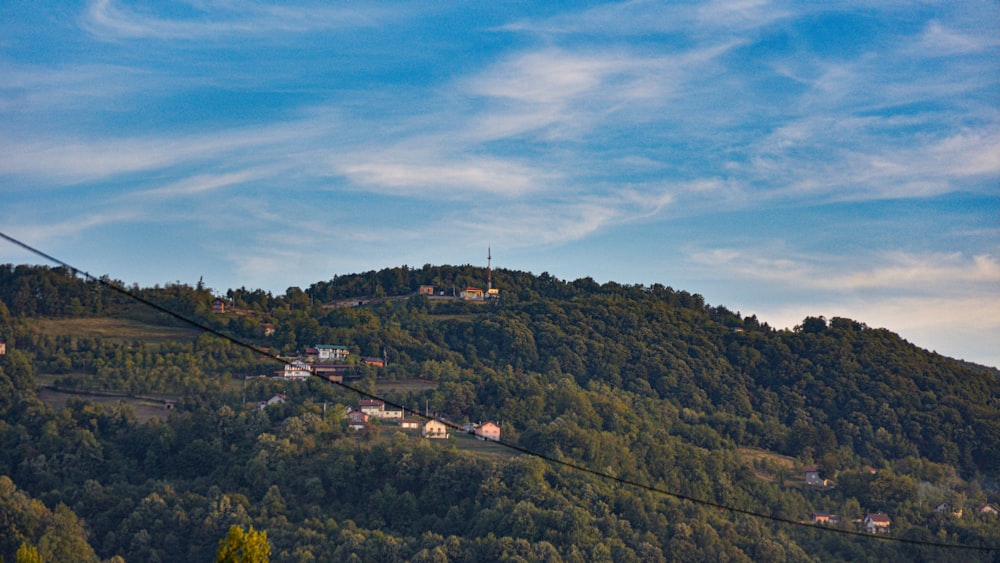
(483, 448)
(124, 330)
(753, 456)
(465, 317)
(405, 386)
(144, 409)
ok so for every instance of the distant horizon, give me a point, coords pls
(785, 159)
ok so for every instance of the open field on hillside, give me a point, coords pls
(145, 409)
(483, 448)
(464, 442)
(125, 330)
(753, 456)
(405, 386)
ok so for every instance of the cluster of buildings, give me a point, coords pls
(471, 293)
(879, 523)
(368, 410)
(327, 361)
(876, 522)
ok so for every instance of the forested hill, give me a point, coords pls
(645, 382)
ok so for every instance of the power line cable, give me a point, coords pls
(545, 457)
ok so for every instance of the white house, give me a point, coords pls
(328, 352)
(371, 407)
(877, 523)
(297, 369)
(434, 429)
(488, 431)
(277, 399)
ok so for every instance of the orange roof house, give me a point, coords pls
(488, 431)
(822, 518)
(876, 523)
(357, 417)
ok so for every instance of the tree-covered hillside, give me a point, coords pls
(649, 384)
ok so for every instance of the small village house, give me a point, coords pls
(296, 369)
(332, 372)
(218, 305)
(813, 478)
(357, 417)
(277, 399)
(3, 347)
(876, 523)
(820, 518)
(488, 431)
(371, 407)
(409, 423)
(426, 290)
(948, 508)
(988, 509)
(434, 429)
(376, 409)
(472, 294)
(391, 414)
(358, 426)
(331, 353)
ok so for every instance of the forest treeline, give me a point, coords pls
(648, 383)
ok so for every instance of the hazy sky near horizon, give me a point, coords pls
(783, 159)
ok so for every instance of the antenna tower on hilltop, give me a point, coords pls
(489, 269)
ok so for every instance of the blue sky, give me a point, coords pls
(782, 159)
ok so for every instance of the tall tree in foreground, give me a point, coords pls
(244, 547)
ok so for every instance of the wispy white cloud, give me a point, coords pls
(203, 183)
(901, 272)
(649, 17)
(53, 230)
(740, 14)
(534, 226)
(431, 176)
(27, 88)
(940, 40)
(218, 20)
(68, 160)
(561, 93)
